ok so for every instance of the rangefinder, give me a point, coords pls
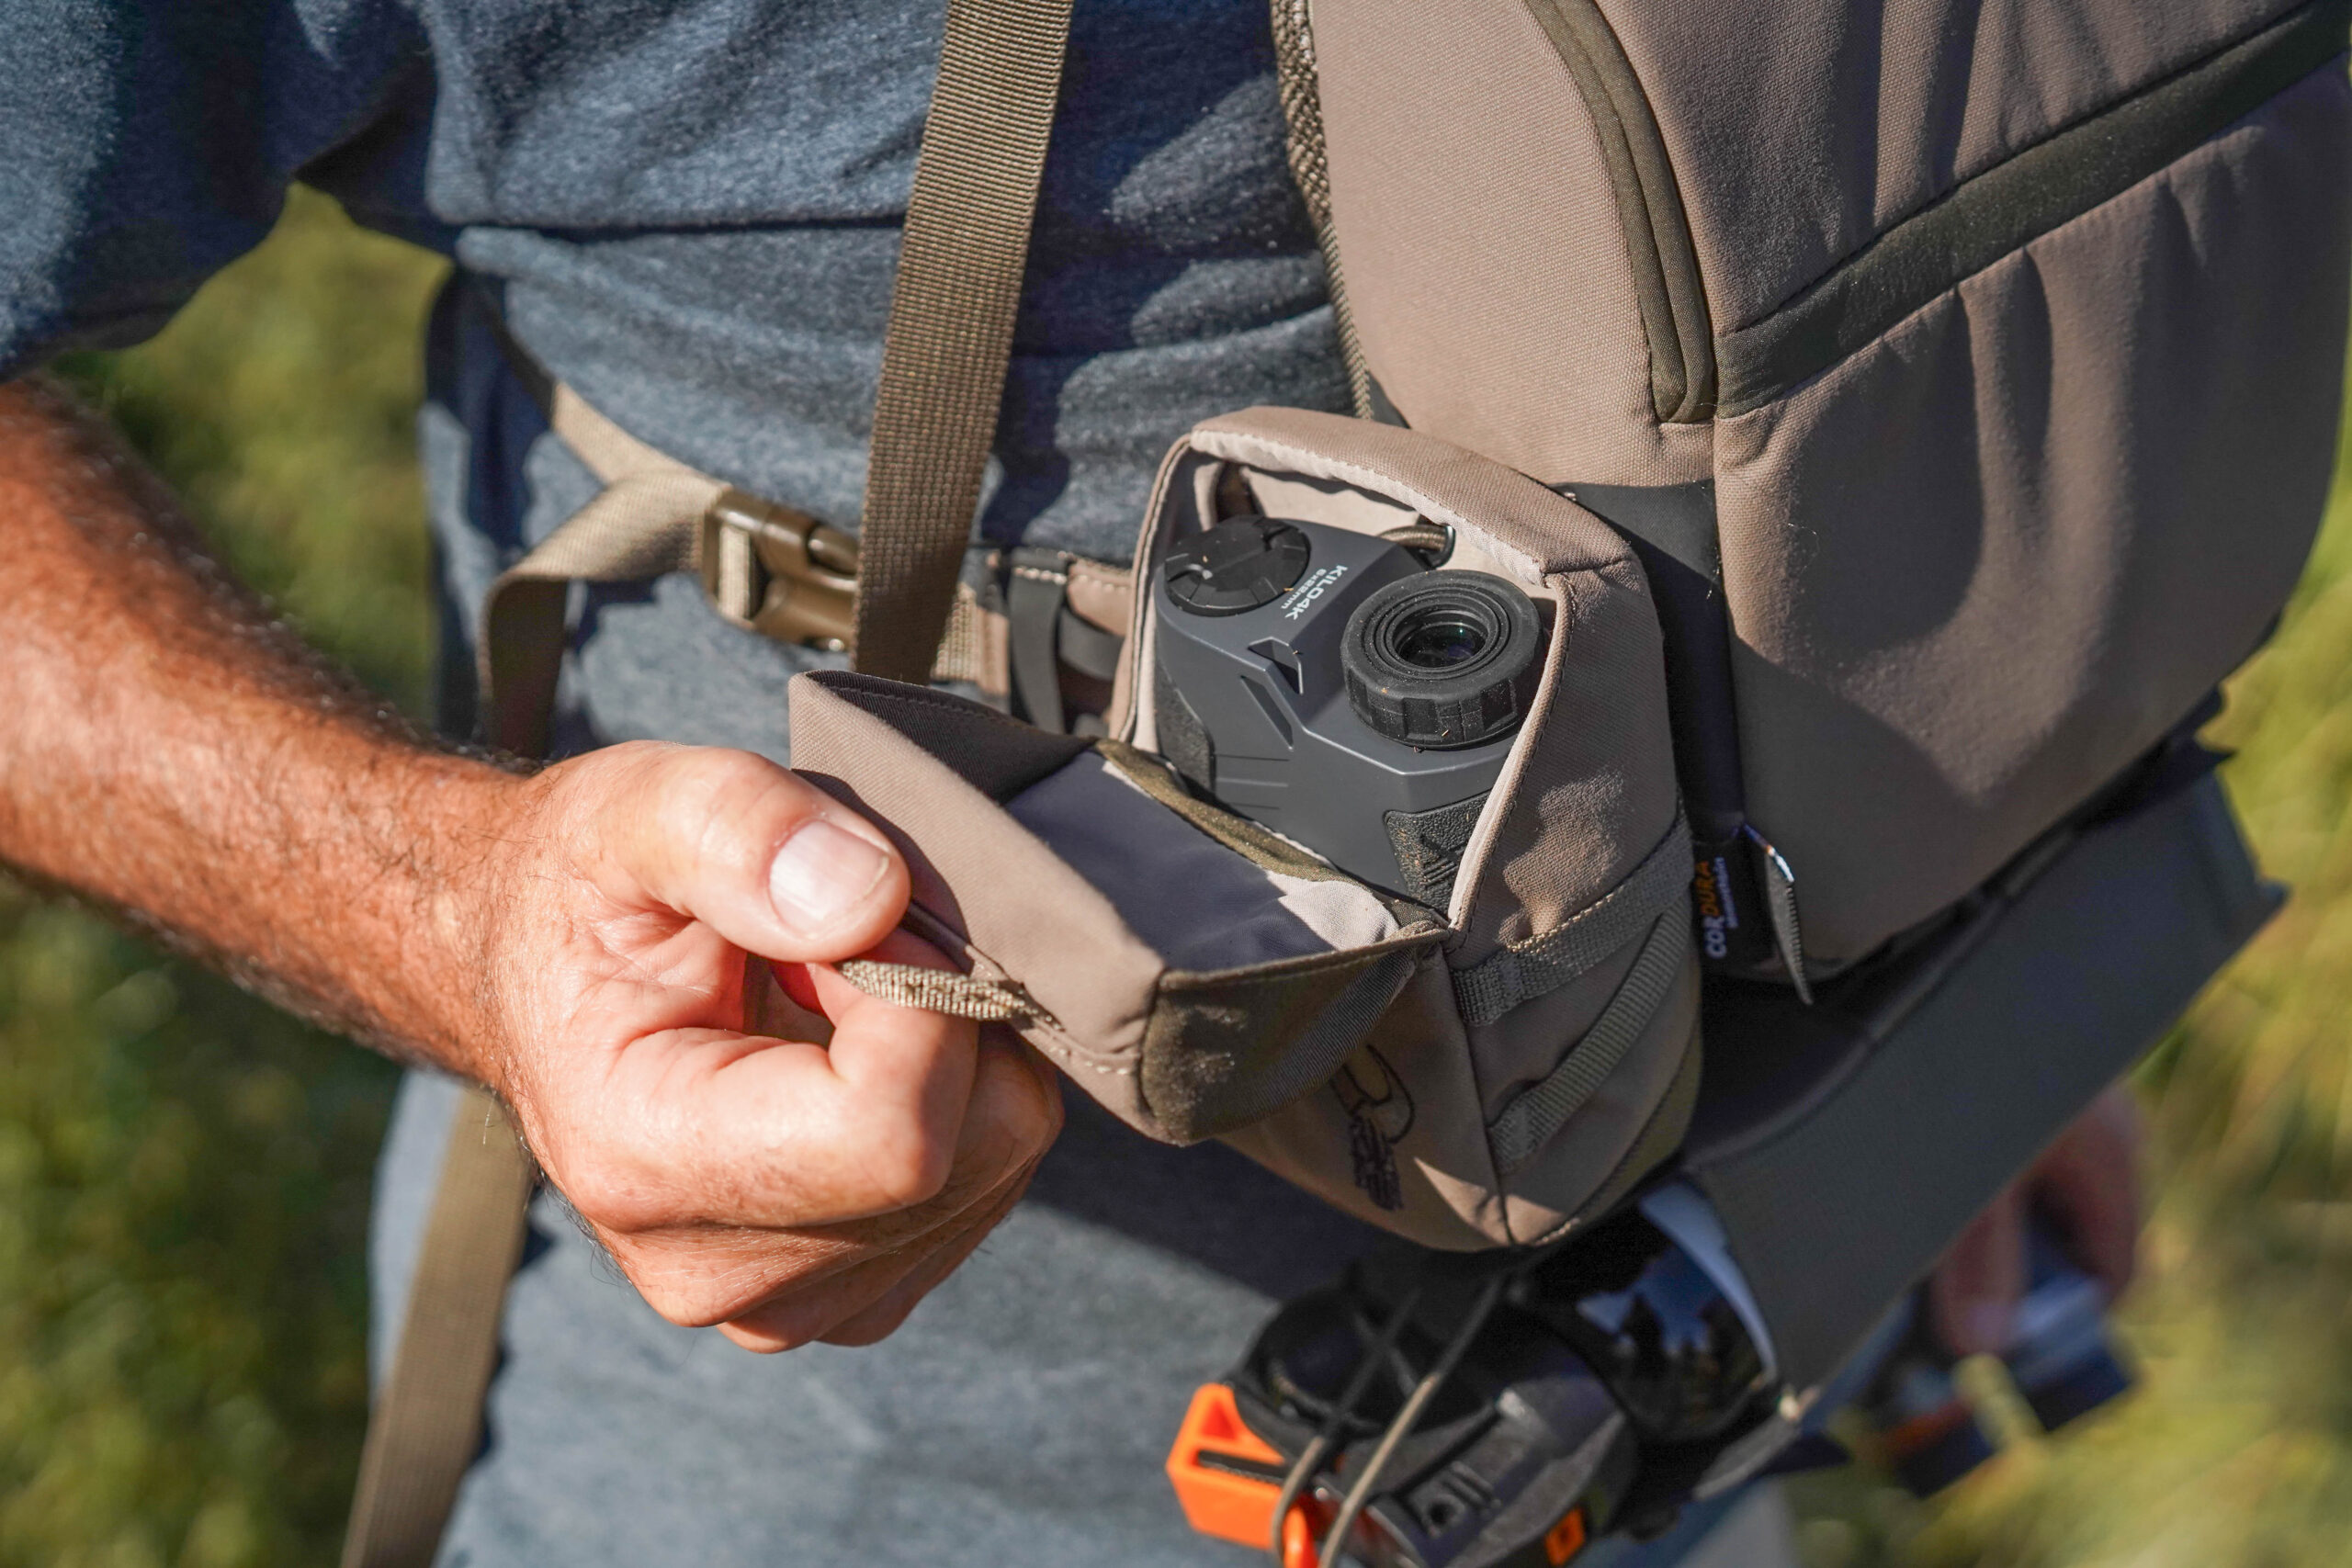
(1339, 689)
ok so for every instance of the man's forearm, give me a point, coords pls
(582, 939)
(168, 749)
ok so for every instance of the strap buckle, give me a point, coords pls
(779, 572)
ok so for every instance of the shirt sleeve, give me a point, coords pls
(145, 144)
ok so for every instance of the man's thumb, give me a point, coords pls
(775, 864)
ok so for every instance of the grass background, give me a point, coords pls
(183, 1171)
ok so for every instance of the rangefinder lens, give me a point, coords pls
(1444, 659)
(1440, 642)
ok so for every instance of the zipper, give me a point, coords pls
(1667, 283)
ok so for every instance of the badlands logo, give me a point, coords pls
(1380, 1113)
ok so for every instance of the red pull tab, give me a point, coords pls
(1305, 1523)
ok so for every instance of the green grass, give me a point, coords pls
(183, 1171)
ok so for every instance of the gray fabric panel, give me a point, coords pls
(1976, 568)
(1987, 217)
(1841, 1209)
(1196, 903)
(1528, 1122)
(1500, 983)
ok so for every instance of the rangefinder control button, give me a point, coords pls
(1239, 565)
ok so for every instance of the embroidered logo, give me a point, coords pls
(1380, 1113)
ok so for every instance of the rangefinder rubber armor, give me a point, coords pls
(1331, 686)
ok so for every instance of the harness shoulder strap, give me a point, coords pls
(426, 1426)
(950, 338)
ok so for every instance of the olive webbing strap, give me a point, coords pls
(950, 338)
(426, 1426)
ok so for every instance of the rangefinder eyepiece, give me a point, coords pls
(1445, 661)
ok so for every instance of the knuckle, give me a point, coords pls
(688, 1304)
(674, 1299)
(689, 1286)
(903, 1163)
(610, 1199)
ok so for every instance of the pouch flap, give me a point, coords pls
(1195, 973)
(930, 770)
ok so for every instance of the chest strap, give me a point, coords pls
(1042, 629)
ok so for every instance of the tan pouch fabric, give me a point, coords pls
(1471, 1076)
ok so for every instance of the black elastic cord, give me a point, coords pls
(1311, 1460)
(1407, 1418)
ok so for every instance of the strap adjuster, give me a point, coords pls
(779, 572)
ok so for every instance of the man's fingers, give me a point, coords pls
(709, 1127)
(789, 1285)
(2088, 1183)
(882, 1319)
(770, 862)
(887, 1284)
(730, 1130)
(1974, 1294)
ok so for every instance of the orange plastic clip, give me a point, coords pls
(1226, 1476)
(1566, 1538)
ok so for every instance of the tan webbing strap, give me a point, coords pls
(950, 337)
(647, 522)
(426, 1426)
(944, 990)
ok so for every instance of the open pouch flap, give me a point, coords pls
(1188, 988)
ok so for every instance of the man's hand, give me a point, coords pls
(782, 1187)
(579, 939)
(2088, 1185)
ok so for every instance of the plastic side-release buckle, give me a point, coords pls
(1228, 1478)
(779, 571)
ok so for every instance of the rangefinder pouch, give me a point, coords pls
(1472, 1018)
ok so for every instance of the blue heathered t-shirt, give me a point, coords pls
(689, 212)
